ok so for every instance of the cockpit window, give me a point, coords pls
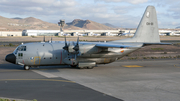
(22, 48)
(15, 51)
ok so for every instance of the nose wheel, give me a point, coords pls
(26, 67)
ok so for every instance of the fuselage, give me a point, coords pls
(44, 54)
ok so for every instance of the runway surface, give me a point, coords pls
(150, 80)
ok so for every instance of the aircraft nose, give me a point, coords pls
(11, 58)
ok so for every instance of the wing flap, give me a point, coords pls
(146, 44)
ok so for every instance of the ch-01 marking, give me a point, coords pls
(149, 23)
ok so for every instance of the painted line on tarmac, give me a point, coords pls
(48, 75)
(11, 70)
(13, 99)
(37, 80)
(176, 66)
(131, 66)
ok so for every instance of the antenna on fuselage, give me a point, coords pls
(51, 39)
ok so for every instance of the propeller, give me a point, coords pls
(66, 47)
(76, 47)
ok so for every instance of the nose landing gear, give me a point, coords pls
(26, 67)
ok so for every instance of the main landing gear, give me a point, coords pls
(89, 67)
(85, 65)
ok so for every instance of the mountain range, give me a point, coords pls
(88, 24)
(19, 24)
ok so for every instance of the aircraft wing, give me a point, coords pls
(109, 45)
(106, 45)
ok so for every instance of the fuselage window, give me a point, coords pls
(20, 55)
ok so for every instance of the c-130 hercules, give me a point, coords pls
(87, 54)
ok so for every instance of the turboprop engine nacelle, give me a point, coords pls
(85, 49)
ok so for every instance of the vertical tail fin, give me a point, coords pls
(147, 31)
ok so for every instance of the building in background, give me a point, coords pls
(81, 33)
(40, 32)
(10, 33)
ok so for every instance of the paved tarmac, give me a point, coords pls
(150, 80)
(17, 83)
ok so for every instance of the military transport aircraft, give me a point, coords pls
(87, 54)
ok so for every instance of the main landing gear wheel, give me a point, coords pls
(73, 65)
(81, 67)
(89, 67)
(26, 67)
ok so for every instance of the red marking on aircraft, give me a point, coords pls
(121, 50)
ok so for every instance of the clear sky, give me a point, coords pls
(121, 13)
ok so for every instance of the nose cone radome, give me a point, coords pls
(11, 58)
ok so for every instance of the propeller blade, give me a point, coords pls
(76, 47)
(78, 40)
(66, 46)
(65, 41)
